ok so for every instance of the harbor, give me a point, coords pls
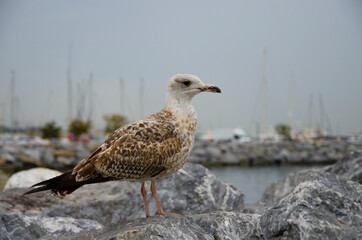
(249, 166)
(190, 120)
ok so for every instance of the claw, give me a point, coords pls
(164, 213)
(158, 204)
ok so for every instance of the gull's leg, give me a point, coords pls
(144, 196)
(159, 208)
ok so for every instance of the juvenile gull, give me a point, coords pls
(146, 150)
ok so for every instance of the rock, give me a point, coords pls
(276, 191)
(216, 225)
(349, 168)
(81, 151)
(35, 155)
(21, 156)
(13, 226)
(9, 154)
(283, 155)
(55, 225)
(19, 226)
(314, 204)
(27, 178)
(230, 158)
(321, 206)
(230, 152)
(66, 161)
(40, 153)
(191, 190)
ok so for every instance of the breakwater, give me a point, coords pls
(206, 153)
(233, 153)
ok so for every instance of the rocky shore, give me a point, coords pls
(323, 203)
(31, 155)
(206, 153)
(228, 153)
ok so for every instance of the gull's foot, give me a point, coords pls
(164, 213)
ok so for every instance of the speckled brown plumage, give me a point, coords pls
(147, 150)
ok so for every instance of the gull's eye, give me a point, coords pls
(186, 83)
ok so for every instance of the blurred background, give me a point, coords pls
(290, 72)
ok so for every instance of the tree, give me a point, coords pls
(78, 127)
(50, 130)
(284, 131)
(114, 121)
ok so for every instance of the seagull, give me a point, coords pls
(146, 150)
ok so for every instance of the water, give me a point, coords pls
(252, 181)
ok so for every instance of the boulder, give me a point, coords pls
(27, 178)
(21, 226)
(216, 225)
(314, 204)
(276, 191)
(321, 206)
(191, 190)
(348, 168)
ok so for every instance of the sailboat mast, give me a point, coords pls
(121, 86)
(141, 98)
(69, 75)
(264, 95)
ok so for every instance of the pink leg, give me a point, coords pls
(144, 195)
(159, 208)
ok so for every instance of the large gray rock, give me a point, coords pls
(191, 190)
(276, 191)
(13, 226)
(315, 204)
(321, 206)
(27, 178)
(216, 225)
(348, 168)
(21, 226)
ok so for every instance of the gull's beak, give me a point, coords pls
(210, 88)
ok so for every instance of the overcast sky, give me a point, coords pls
(319, 43)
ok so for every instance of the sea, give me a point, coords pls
(253, 181)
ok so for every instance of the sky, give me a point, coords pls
(313, 51)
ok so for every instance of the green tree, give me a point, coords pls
(50, 130)
(78, 127)
(284, 131)
(114, 121)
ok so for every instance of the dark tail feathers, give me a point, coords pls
(64, 184)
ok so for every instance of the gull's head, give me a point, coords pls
(186, 86)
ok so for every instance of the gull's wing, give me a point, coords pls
(140, 150)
